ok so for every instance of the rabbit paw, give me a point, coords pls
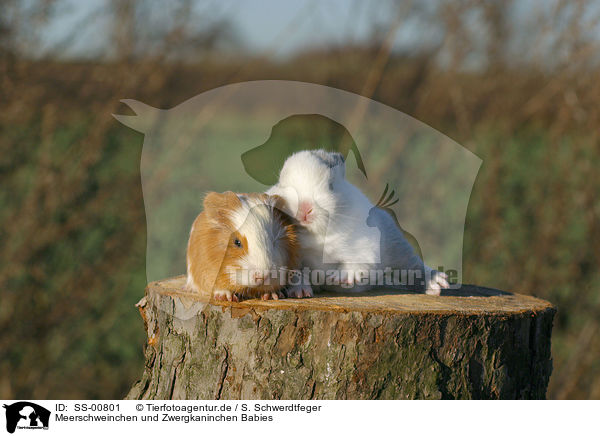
(354, 275)
(436, 283)
(300, 291)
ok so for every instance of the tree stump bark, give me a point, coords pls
(469, 343)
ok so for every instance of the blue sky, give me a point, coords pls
(280, 27)
(82, 28)
(264, 25)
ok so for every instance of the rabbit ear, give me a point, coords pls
(144, 119)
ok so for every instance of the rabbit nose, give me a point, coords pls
(305, 209)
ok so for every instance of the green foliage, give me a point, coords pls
(72, 273)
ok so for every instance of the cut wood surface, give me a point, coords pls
(472, 342)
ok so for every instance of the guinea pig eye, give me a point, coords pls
(237, 243)
(331, 186)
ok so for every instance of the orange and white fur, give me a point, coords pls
(241, 245)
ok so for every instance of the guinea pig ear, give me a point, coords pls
(216, 201)
(281, 209)
(278, 202)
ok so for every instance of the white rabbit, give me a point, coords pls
(341, 229)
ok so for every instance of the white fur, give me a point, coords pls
(263, 231)
(339, 232)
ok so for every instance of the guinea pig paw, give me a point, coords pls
(224, 295)
(272, 295)
(300, 291)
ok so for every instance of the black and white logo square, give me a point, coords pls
(26, 415)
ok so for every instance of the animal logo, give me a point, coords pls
(296, 133)
(237, 137)
(26, 415)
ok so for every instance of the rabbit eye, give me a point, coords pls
(330, 186)
(237, 243)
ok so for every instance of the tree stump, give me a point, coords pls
(468, 343)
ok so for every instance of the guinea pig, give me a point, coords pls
(241, 245)
(338, 222)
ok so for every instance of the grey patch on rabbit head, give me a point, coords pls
(331, 159)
